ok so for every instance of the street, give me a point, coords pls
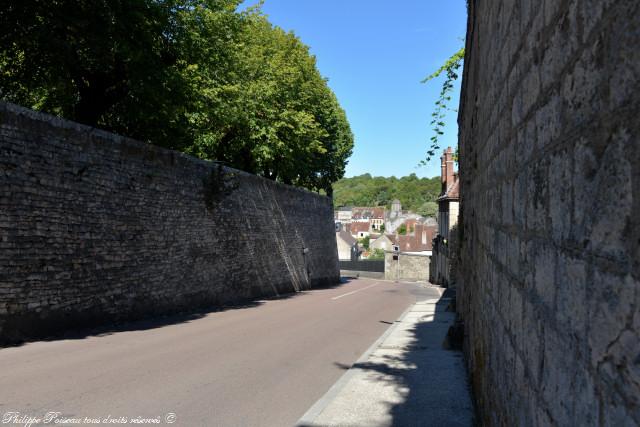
(263, 364)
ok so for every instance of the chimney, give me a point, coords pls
(443, 172)
(420, 233)
(447, 168)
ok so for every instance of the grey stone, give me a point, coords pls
(97, 228)
(549, 109)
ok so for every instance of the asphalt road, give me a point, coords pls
(260, 365)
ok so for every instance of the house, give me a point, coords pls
(384, 242)
(410, 224)
(448, 207)
(360, 229)
(420, 240)
(374, 215)
(396, 217)
(345, 242)
(343, 215)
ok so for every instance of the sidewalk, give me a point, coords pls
(407, 378)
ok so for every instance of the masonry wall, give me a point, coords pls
(406, 267)
(95, 228)
(549, 145)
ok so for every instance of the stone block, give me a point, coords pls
(560, 194)
(544, 275)
(554, 98)
(611, 308)
(571, 300)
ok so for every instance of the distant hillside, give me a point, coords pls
(415, 194)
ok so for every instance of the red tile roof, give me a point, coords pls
(414, 242)
(368, 213)
(357, 227)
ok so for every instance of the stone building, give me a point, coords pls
(343, 214)
(360, 229)
(448, 207)
(396, 206)
(396, 217)
(417, 241)
(374, 215)
(345, 242)
(384, 242)
(420, 239)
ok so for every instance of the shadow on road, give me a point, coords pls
(152, 321)
(422, 381)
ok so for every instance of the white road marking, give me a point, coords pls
(353, 292)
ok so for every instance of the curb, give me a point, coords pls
(309, 417)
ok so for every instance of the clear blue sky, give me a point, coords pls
(375, 53)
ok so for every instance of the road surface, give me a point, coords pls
(260, 365)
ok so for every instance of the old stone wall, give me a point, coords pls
(550, 198)
(95, 227)
(408, 266)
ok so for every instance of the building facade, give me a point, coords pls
(345, 242)
(373, 215)
(448, 208)
(343, 215)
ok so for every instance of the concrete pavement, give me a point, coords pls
(408, 378)
(260, 365)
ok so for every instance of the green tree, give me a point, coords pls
(279, 118)
(402, 229)
(428, 209)
(193, 75)
(376, 254)
(364, 190)
(120, 64)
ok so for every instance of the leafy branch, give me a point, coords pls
(450, 69)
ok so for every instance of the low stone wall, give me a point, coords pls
(407, 266)
(95, 228)
(549, 289)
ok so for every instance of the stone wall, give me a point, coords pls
(408, 266)
(95, 228)
(550, 154)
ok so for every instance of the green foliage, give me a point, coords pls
(277, 116)
(450, 69)
(118, 65)
(376, 254)
(428, 209)
(192, 75)
(365, 242)
(402, 229)
(365, 190)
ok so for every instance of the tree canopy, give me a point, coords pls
(415, 194)
(193, 75)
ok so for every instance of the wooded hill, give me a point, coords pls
(415, 194)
